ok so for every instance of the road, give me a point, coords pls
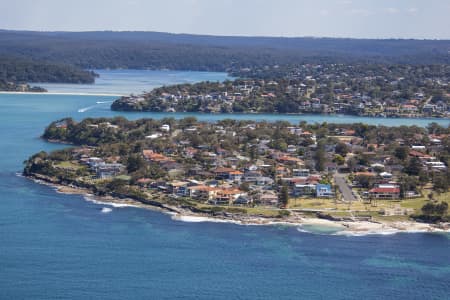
(344, 188)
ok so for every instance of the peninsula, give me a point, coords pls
(17, 73)
(355, 89)
(356, 176)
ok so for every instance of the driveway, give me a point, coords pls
(344, 188)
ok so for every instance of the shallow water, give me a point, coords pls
(62, 246)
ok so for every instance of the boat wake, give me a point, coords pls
(84, 109)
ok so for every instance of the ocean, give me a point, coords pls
(57, 246)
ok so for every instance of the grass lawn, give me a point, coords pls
(68, 165)
(254, 211)
(329, 204)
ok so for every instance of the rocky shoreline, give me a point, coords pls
(351, 228)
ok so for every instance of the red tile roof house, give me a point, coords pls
(227, 196)
(289, 160)
(155, 157)
(409, 109)
(202, 192)
(385, 192)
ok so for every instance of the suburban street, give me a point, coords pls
(344, 188)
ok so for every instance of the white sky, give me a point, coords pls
(331, 18)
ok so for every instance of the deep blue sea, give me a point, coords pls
(55, 246)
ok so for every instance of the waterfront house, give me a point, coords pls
(243, 200)
(267, 198)
(409, 109)
(202, 192)
(104, 170)
(324, 191)
(227, 196)
(385, 191)
(304, 190)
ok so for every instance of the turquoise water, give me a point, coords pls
(55, 246)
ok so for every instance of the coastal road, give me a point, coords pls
(344, 188)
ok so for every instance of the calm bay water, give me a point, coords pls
(124, 82)
(64, 247)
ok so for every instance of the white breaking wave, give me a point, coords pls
(90, 198)
(364, 233)
(101, 102)
(106, 210)
(195, 219)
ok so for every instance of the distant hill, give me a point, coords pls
(19, 70)
(156, 50)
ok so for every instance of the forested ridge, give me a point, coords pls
(154, 50)
(20, 70)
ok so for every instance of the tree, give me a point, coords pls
(134, 163)
(339, 159)
(442, 208)
(440, 183)
(414, 166)
(351, 163)
(341, 149)
(439, 209)
(283, 196)
(428, 209)
(401, 152)
(245, 186)
(423, 177)
(320, 157)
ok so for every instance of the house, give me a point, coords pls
(264, 181)
(251, 176)
(428, 108)
(267, 198)
(202, 192)
(291, 149)
(104, 170)
(178, 187)
(304, 190)
(235, 175)
(227, 173)
(392, 110)
(155, 157)
(243, 200)
(227, 196)
(94, 161)
(385, 191)
(282, 171)
(436, 165)
(300, 172)
(409, 109)
(153, 136)
(331, 167)
(289, 160)
(386, 175)
(165, 127)
(324, 191)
